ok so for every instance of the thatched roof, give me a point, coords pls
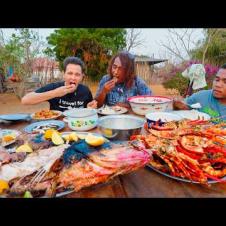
(149, 60)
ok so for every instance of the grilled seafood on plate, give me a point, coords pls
(46, 114)
(74, 166)
(100, 166)
(192, 150)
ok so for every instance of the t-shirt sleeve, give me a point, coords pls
(45, 88)
(89, 97)
(142, 87)
(193, 99)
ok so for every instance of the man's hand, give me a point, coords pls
(92, 104)
(108, 86)
(64, 90)
(179, 105)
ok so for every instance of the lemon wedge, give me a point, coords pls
(28, 194)
(107, 132)
(70, 137)
(73, 136)
(49, 132)
(66, 137)
(3, 186)
(94, 140)
(24, 148)
(56, 138)
(82, 136)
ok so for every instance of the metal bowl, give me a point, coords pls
(120, 127)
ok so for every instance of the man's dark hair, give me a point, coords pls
(223, 66)
(74, 60)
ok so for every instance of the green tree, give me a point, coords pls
(212, 49)
(24, 46)
(6, 56)
(177, 82)
(94, 46)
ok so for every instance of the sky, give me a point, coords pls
(151, 40)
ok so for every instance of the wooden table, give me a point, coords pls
(142, 183)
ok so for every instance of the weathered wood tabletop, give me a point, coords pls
(142, 183)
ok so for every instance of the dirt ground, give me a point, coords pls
(10, 103)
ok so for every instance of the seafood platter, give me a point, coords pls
(54, 164)
(50, 163)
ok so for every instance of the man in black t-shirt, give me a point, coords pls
(67, 94)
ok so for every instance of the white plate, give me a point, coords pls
(163, 116)
(29, 129)
(113, 112)
(192, 114)
(14, 133)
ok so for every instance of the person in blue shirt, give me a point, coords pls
(121, 82)
(213, 102)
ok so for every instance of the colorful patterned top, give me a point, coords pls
(120, 93)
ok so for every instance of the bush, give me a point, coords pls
(177, 82)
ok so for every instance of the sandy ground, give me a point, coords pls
(10, 103)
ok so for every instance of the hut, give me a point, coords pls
(144, 67)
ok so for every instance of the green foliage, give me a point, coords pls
(177, 82)
(216, 51)
(180, 83)
(94, 46)
(19, 51)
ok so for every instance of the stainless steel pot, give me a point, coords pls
(120, 127)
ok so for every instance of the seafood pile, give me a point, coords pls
(100, 166)
(6, 157)
(32, 163)
(188, 149)
(73, 165)
(10, 153)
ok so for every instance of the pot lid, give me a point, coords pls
(79, 112)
